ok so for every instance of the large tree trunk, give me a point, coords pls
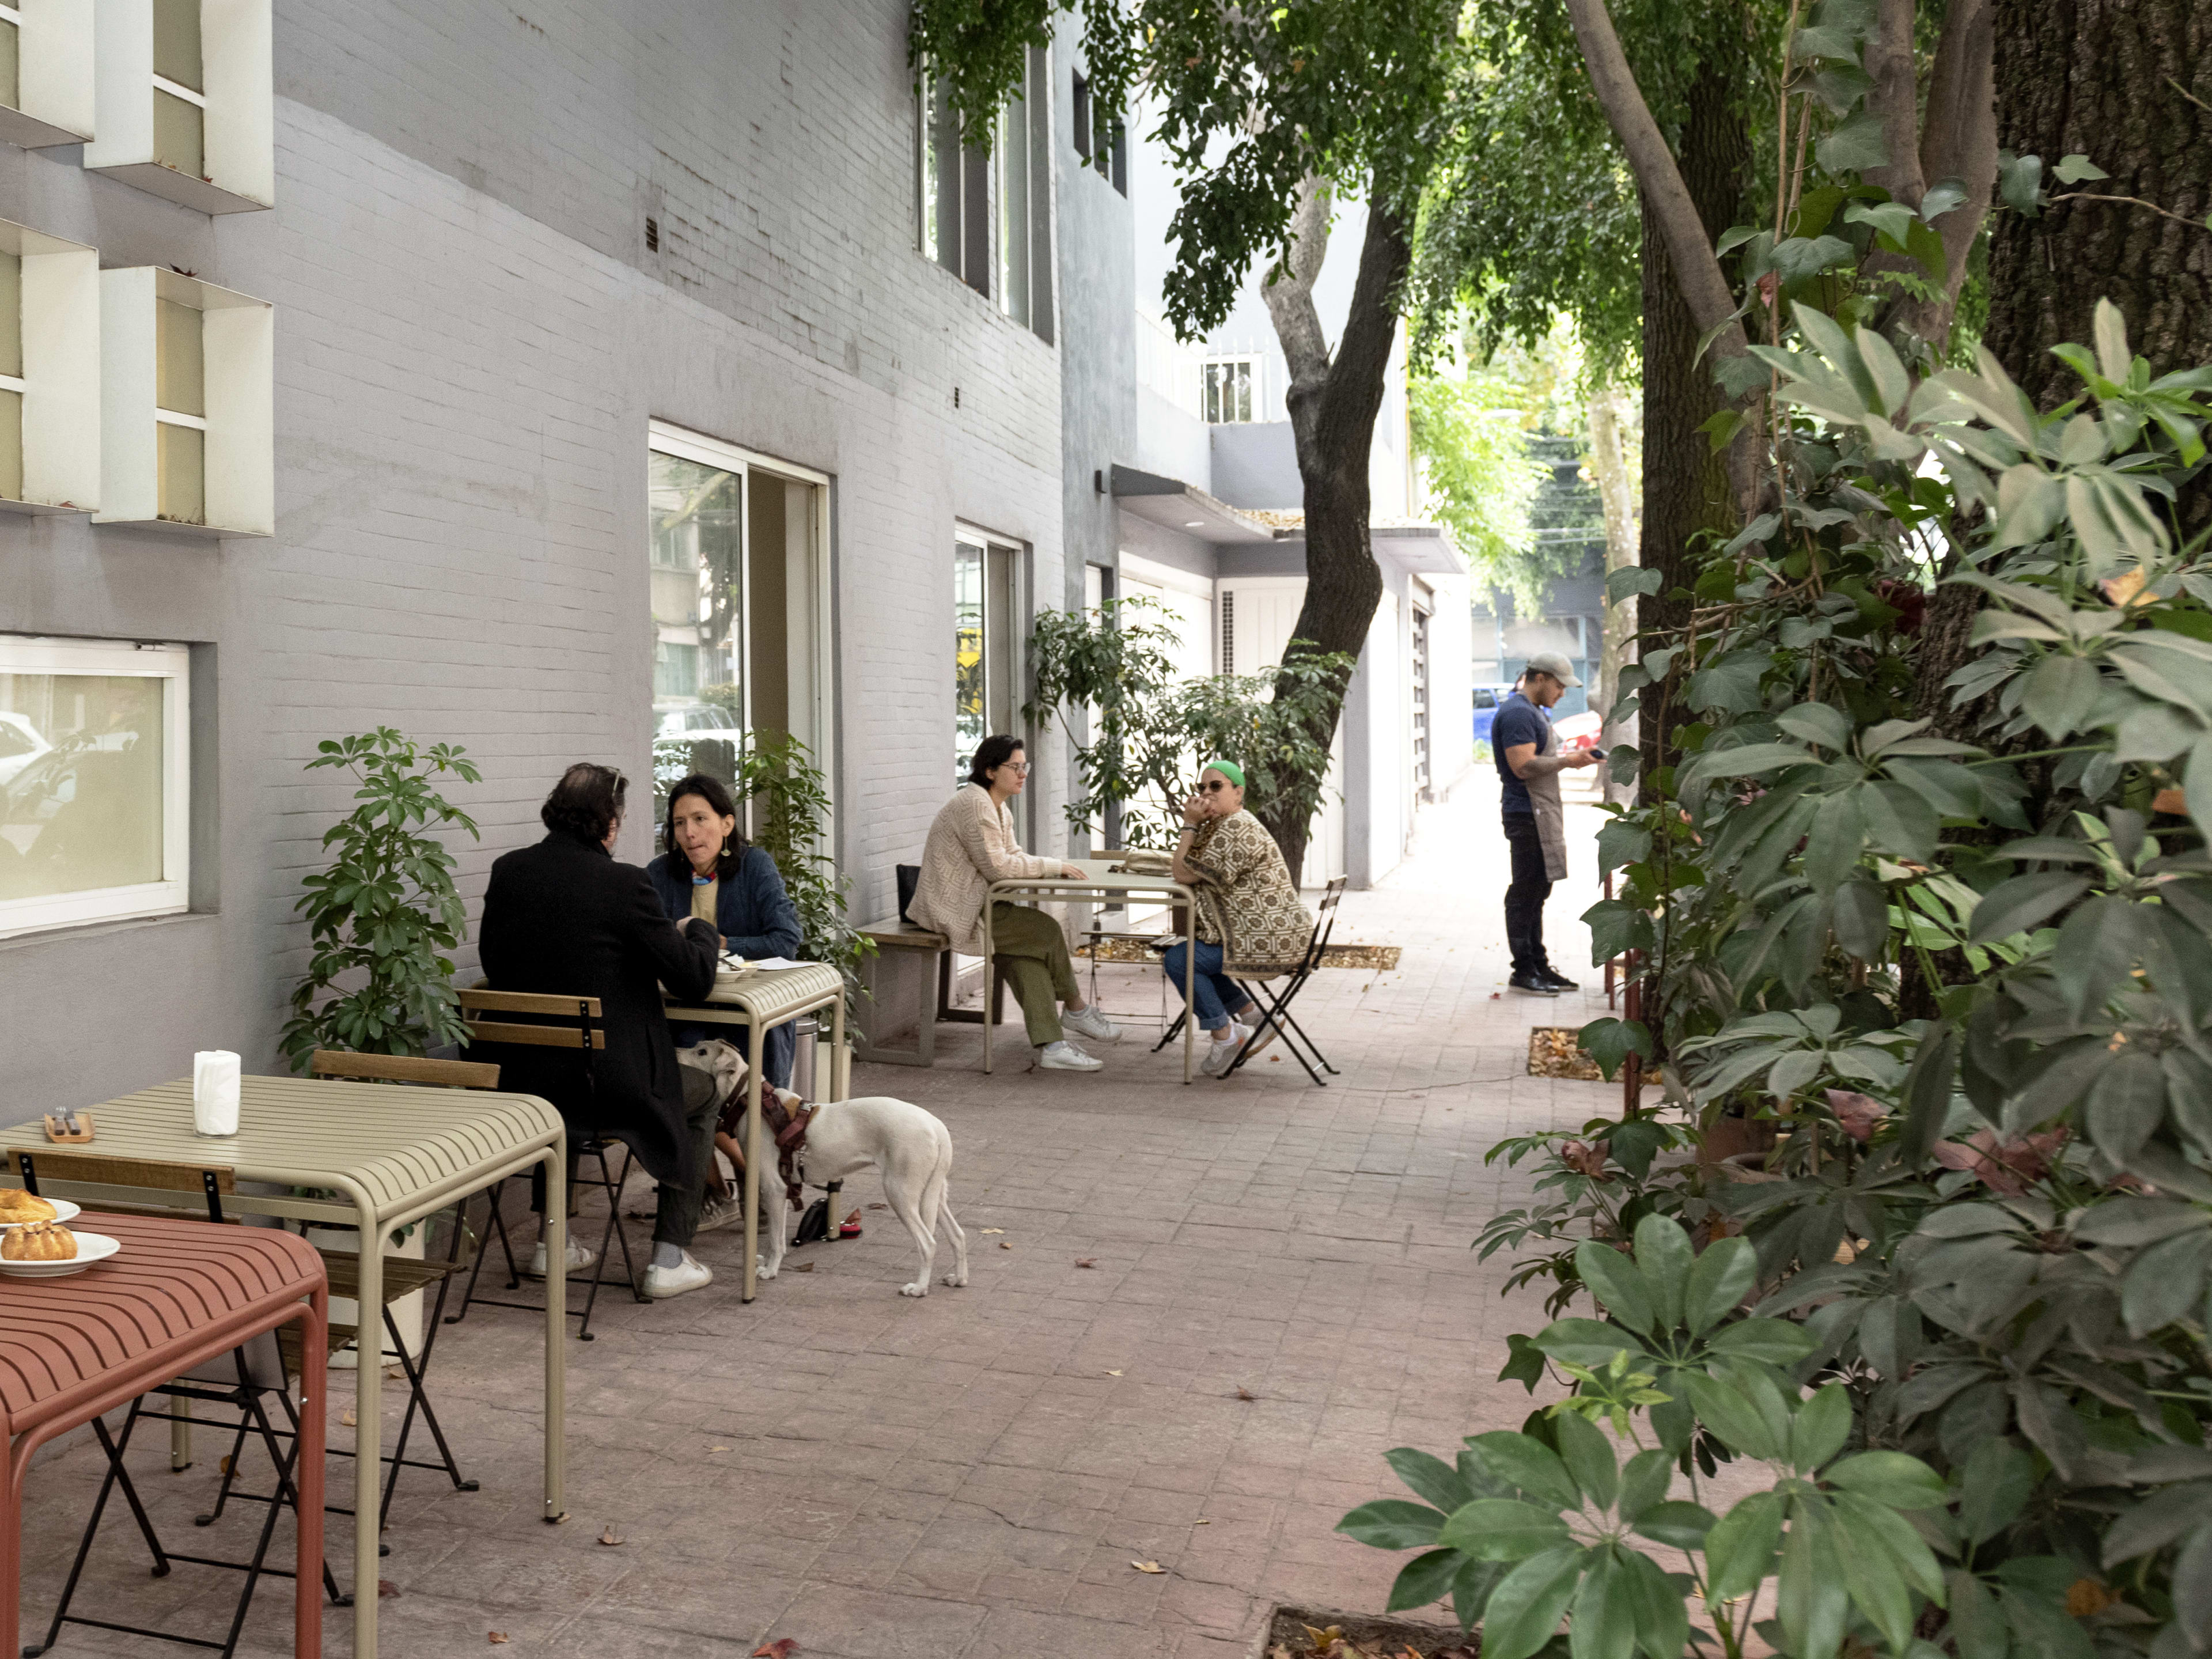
(2126, 83)
(1687, 488)
(2095, 78)
(1334, 402)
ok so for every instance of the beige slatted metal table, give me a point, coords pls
(760, 1001)
(1099, 885)
(393, 1154)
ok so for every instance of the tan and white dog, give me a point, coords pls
(910, 1146)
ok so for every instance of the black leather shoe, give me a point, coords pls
(1558, 981)
(1532, 985)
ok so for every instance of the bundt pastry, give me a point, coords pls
(38, 1240)
(16, 1205)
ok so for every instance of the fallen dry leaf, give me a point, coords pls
(496, 1637)
(879, 1206)
(990, 1230)
(782, 1648)
(712, 1448)
(1246, 1394)
(1113, 1373)
(1202, 1520)
(384, 1587)
(1004, 1245)
(1086, 1261)
(346, 1421)
(801, 1267)
(610, 1536)
(1148, 1567)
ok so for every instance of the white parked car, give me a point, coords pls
(20, 744)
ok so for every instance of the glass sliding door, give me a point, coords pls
(740, 567)
(699, 704)
(986, 645)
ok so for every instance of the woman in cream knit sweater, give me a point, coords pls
(971, 845)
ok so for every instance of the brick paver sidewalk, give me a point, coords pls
(1280, 1291)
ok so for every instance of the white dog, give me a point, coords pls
(912, 1148)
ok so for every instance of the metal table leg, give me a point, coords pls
(556, 1328)
(754, 1144)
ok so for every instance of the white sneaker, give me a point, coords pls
(721, 1213)
(1093, 1023)
(1220, 1054)
(1065, 1056)
(579, 1256)
(1260, 1035)
(690, 1274)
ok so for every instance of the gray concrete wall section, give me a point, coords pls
(1256, 465)
(1174, 443)
(1098, 319)
(1163, 546)
(471, 338)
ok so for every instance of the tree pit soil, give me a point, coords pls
(1361, 1636)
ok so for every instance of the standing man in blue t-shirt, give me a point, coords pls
(1526, 748)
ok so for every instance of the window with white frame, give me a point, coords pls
(986, 648)
(1229, 389)
(985, 214)
(96, 770)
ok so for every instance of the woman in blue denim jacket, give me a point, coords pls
(711, 871)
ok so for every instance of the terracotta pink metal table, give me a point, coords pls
(177, 1295)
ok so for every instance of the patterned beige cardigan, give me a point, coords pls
(969, 846)
(1247, 902)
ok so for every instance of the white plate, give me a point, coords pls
(90, 1248)
(63, 1211)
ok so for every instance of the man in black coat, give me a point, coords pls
(564, 917)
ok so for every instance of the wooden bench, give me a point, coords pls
(896, 935)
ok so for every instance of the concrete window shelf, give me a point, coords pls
(187, 416)
(46, 72)
(49, 373)
(187, 105)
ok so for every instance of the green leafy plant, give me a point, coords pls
(1151, 731)
(790, 805)
(1525, 1529)
(385, 911)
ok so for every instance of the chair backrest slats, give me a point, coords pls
(535, 1036)
(525, 1002)
(96, 1169)
(402, 1068)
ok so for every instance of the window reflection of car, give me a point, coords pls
(695, 717)
(1486, 699)
(20, 744)
(76, 815)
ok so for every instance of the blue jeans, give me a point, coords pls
(1217, 995)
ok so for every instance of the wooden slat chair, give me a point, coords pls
(573, 1024)
(238, 1381)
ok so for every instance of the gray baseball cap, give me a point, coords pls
(1552, 663)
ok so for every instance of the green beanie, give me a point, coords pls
(1229, 769)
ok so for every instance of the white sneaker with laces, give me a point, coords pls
(1065, 1056)
(690, 1274)
(580, 1256)
(720, 1213)
(1222, 1052)
(1093, 1023)
(1261, 1033)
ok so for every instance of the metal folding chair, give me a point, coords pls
(572, 1024)
(1274, 1006)
(256, 1369)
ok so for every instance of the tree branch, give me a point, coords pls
(1290, 301)
(1960, 138)
(1703, 287)
(1896, 99)
(1352, 397)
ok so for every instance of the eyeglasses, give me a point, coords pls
(1013, 766)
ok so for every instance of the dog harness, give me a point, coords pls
(787, 1127)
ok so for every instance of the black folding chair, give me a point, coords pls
(238, 1381)
(572, 1024)
(1274, 1004)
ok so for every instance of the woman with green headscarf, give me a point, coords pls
(1250, 923)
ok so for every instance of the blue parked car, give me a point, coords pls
(1486, 699)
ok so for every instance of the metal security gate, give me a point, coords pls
(1420, 704)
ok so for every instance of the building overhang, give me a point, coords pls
(1421, 550)
(1174, 505)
